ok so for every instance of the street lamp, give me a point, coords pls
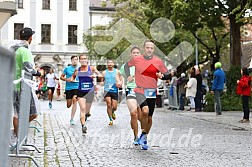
(196, 51)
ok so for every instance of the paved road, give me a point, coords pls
(176, 139)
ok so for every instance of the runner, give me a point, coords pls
(85, 94)
(50, 80)
(71, 87)
(111, 84)
(131, 97)
(148, 68)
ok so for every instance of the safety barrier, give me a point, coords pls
(23, 119)
(172, 97)
(7, 75)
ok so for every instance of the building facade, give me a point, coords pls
(59, 26)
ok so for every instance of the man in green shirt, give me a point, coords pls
(24, 61)
(131, 97)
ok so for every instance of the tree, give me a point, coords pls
(235, 10)
(206, 14)
(134, 11)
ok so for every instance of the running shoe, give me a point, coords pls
(113, 116)
(84, 129)
(88, 114)
(71, 122)
(136, 141)
(50, 104)
(110, 123)
(143, 142)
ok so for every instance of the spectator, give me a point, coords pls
(218, 86)
(244, 89)
(199, 97)
(181, 90)
(58, 91)
(160, 91)
(191, 88)
(24, 61)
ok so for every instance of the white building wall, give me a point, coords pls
(59, 9)
(101, 19)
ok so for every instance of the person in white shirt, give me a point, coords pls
(191, 89)
(50, 80)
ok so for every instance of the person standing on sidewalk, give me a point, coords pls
(58, 91)
(218, 86)
(191, 88)
(71, 88)
(199, 97)
(85, 94)
(182, 91)
(148, 68)
(131, 96)
(244, 89)
(24, 61)
(111, 84)
(51, 84)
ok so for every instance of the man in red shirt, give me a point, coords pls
(147, 70)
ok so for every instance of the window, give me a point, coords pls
(72, 4)
(20, 4)
(46, 4)
(72, 34)
(46, 33)
(17, 28)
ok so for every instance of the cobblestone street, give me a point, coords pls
(176, 139)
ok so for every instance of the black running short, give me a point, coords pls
(71, 93)
(89, 96)
(143, 101)
(51, 88)
(113, 95)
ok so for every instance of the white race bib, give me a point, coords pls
(150, 93)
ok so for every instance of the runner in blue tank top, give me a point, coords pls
(111, 84)
(85, 94)
(71, 87)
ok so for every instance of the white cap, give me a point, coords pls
(182, 75)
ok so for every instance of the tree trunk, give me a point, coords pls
(235, 42)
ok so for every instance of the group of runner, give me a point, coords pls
(141, 72)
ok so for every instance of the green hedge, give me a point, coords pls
(228, 102)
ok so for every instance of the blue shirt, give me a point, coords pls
(85, 80)
(68, 71)
(110, 80)
(219, 79)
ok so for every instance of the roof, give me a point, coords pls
(98, 5)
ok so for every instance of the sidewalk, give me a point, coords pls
(229, 119)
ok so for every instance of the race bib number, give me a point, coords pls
(86, 86)
(110, 86)
(150, 93)
(131, 93)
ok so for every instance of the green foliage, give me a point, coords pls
(228, 102)
(232, 76)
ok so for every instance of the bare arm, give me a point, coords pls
(94, 70)
(73, 76)
(118, 79)
(63, 78)
(102, 79)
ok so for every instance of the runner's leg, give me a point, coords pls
(109, 108)
(132, 105)
(82, 104)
